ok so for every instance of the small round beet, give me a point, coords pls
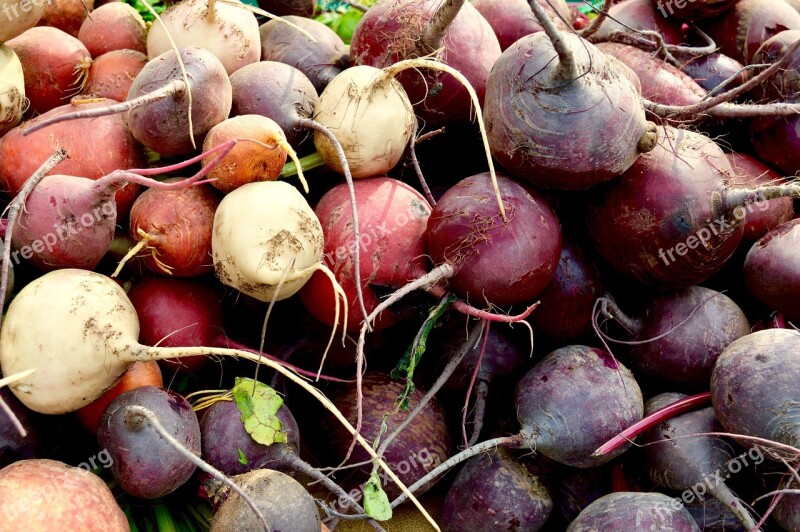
(772, 270)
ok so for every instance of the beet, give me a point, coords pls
(114, 26)
(282, 8)
(494, 491)
(634, 511)
(111, 74)
(785, 84)
(66, 15)
(495, 262)
(14, 446)
(711, 70)
(695, 9)
(402, 29)
(564, 95)
(420, 447)
(320, 61)
(748, 24)
(640, 15)
(513, 19)
(787, 512)
(772, 270)
(776, 141)
(754, 386)
(681, 462)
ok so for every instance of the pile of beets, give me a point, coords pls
(489, 265)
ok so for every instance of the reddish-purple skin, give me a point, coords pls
(530, 116)
(787, 513)
(565, 310)
(785, 84)
(73, 217)
(180, 223)
(389, 32)
(685, 357)
(748, 24)
(320, 62)
(14, 446)
(711, 70)
(575, 489)
(145, 465)
(422, 445)
(749, 172)
(695, 10)
(277, 91)
(492, 492)
(634, 511)
(513, 19)
(224, 436)
(660, 81)
(639, 15)
(111, 75)
(282, 8)
(49, 59)
(772, 270)
(163, 126)
(113, 26)
(776, 141)
(574, 400)
(635, 222)
(754, 386)
(496, 262)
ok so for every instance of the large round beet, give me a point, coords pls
(658, 223)
(629, 511)
(754, 386)
(496, 262)
(419, 448)
(542, 118)
(772, 270)
(494, 491)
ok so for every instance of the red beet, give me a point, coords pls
(640, 15)
(49, 60)
(772, 270)
(114, 26)
(711, 70)
(776, 141)
(66, 15)
(512, 19)
(401, 29)
(111, 74)
(693, 10)
(495, 262)
(282, 8)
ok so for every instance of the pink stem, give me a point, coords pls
(223, 341)
(668, 412)
(472, 382)
(469, 310)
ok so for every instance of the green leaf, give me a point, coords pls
(411, 359)
(259, 405)
(242, 457)
(376, 502)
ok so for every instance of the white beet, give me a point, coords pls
(14, 20)
(12, 88)
(231, 34)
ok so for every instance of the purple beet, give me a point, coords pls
(13, 446)
(625, 511)
(678, 461)
(680, 335)
(787, 513)
(754, 386)
(711, 70)
(772, 270)
(513, 19)
(494, 491)
(640, 15)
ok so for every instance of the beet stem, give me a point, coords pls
(137, 414)
(610, 308)
(677, 408)
(741, 197)
(481, 393)
(412, 150)
(478, 364)
(5, 381)
(172, 88)
(516, 441)
(348, 177)
(468, 310)
(437, 27)
(723, 494)
(567, 69)
(592, 28)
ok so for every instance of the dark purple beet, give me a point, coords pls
(683, 356)
(575, 489)
(565, 312)
(573, 401)
(277, 91)
(397, 29)
(282, 8)
(754, 386)
(785, 84)
(776, 141)
(494, 491)
(320, 61)
(772, 270)
(639, 15)
(711, 70)
(749, 172)
(648, 224)
(787, 513)
(536, 100)
(13, 446)
(678, 461)
(748, 24)
(495, 262)
(418, 449)
(513, 19)
(634, 511)
(223, 436)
